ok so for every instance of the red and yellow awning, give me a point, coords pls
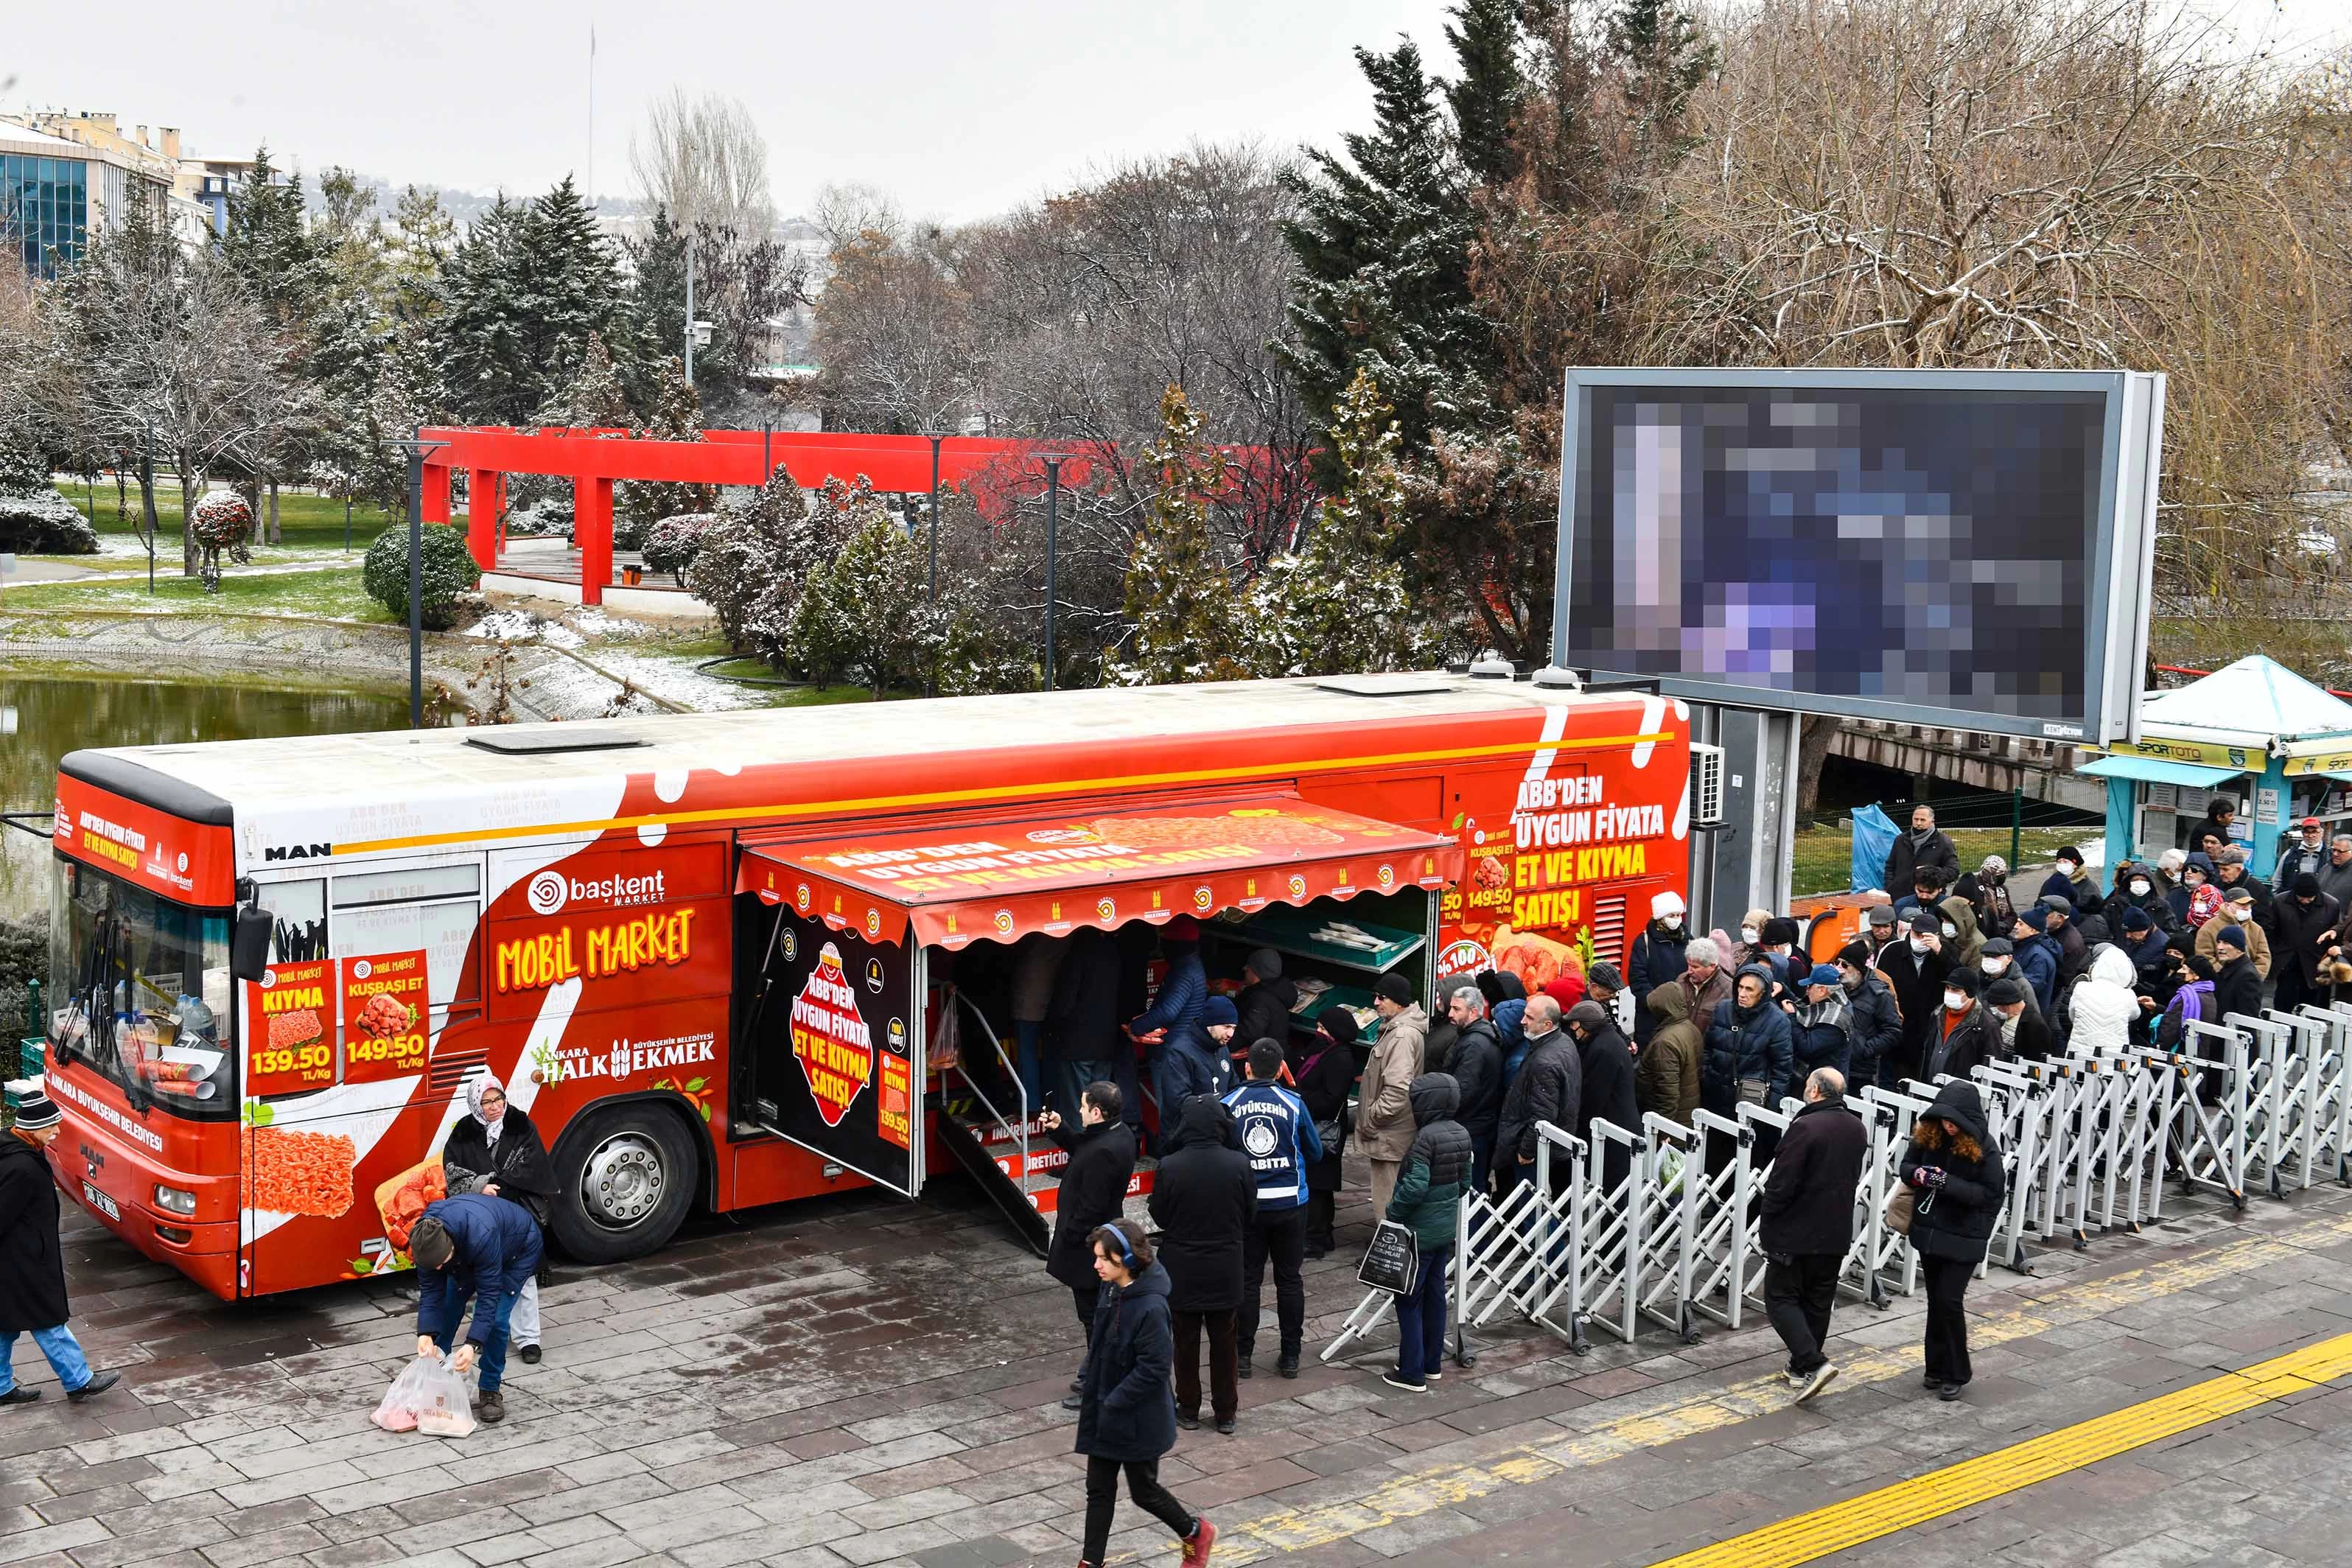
(997, 881)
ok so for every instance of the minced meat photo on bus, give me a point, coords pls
(302, 1173)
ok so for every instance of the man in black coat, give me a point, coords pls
(1550, 1088)
(1807, 1224)
(2237, 987)
(1923, 846)
(1915, 969)
(2025, 1032)
(32, 1263)
(1266, 1001)
(1477, 1070)
(1204, 1200)
(1606, 1066)
(1092, 1194)
(2307, 923)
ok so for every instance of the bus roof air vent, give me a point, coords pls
(1404, 683)
(552, 740)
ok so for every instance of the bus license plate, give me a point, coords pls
(101, 1202)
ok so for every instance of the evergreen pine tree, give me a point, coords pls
(269, 244)
(867, 616)
(1340, 605)
(1382, 242)
(483, 326)
(1486, 37)
(1178, 598)
(572, 285)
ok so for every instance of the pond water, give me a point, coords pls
(42, 718)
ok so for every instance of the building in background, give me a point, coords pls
(65, 177)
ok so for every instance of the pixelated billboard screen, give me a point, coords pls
(1848, 549)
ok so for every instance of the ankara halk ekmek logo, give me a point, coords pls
(547, 892)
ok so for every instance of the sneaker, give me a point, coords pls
(1822, 1376)
(1200, 1543)
(491, 1408)
(20, 1395)
(1246, 1364)
(1396, 1379)
(530, 1354)
(1189, 1423)
(1434, 1376)
(1077, 1387)
(99, 1382)
(1289, 1364)
(1798, 1379)
(1225, 1427)
(1948, 1393)
(1074, 1402)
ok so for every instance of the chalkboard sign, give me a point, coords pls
(1392, 1261)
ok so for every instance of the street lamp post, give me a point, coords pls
(1052, 462)
(147, 497)
(690, 307)
(935, 520)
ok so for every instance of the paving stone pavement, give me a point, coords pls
(863, 1380)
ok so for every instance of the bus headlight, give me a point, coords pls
(171, 1200)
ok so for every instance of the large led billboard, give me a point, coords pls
(1966, 549)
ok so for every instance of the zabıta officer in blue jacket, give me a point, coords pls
(1279, 1137)
(480, 1248)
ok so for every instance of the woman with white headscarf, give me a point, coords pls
(495, 1151)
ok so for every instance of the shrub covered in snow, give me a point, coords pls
(449, 572)
(672, 543)
(34, 518)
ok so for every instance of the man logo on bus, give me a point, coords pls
(1297, 886)
(547, 892)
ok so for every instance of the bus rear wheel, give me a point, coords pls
(629, 1174)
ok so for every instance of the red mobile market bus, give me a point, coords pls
(708, 955)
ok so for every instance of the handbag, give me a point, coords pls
(1392, 1260)
(1755, 1090)
(1901, 1205)
(1331, 1134)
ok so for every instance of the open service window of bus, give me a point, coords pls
(140, 993)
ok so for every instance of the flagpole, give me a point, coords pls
(592, 117)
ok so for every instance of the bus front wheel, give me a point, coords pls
(629, 1175)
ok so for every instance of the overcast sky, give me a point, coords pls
(958, 110)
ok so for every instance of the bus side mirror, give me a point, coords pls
(248, 943)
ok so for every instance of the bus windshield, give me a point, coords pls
(139, 991)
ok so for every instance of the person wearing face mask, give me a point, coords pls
(1998, 960)
(2236, 988)
(2069, 881)
(2024, 1033)
(1915, 969)
(1995, 909)
(2135, 888)
(1749, 947)
(1962, 1033)
(494, 1150)
(2237, 909)
(2150, 951)
(1962, 942)
(1656, 958)
(2197, 899)
(1872, 1021)
(2037, 959)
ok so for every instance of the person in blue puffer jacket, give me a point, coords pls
(1172, 1030)
(1506, 1007)
(482, 1248)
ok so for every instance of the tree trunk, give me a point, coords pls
(123, 497)
(191, 489)
(275, 537)
(1813, 751)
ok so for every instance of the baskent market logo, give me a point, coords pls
(830, 1039)
(546, 892)
(1004, 922)
(1203, 899)
(551, 891)
(1105, 910)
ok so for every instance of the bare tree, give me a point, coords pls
(894, 333)
(703, 160)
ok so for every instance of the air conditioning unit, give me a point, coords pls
(1705, 785)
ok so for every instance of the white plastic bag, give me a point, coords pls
(396, 1412)
(442, 1407)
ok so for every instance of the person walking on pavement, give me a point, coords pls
(1428, 1202)
(1092, 1192)
(1606, 1067)
(1279, 1140)
(1807, 1224)
(1126, 1415)
(483, 1249)
(1204, 1201)
(1550, 1088)
(495, 1150)
(1953, 1169)
(1478, 1072)
(1923, 846)
(1383, 1110)
(1081, 1042)
(32, 1261)
(1657, 956)
(1666, 1075)
(1324, 1071)
(1170, 1030)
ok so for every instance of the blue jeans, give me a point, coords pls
(1420, 1320)
(494, 1349)
(59, 1346)
(1029, 1035)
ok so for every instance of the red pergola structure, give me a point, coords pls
(595, 460)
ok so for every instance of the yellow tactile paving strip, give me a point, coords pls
(1806, 1537)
